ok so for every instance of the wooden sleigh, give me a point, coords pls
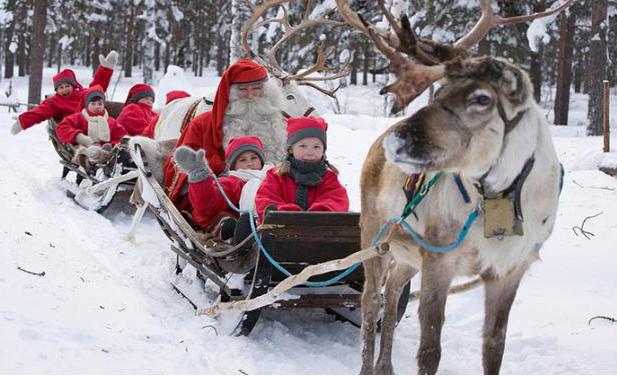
(293, 240)
(94, 185)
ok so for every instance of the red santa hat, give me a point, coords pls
(65, 76)
(243, 71)
(92, 93)
(139, 91)
(238, 145)
(176, 94)
(308, 126)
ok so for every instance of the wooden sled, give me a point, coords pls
(294, 239)
(94, 185)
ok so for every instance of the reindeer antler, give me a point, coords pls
(270, 60)
(403, 47)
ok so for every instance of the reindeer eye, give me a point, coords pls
(483, 100)
(290, 97)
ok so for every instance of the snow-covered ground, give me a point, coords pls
(105, 305)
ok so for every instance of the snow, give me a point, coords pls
(174, 79)
(105, 305)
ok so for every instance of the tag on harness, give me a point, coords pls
(500, 219)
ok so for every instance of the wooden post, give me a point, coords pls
(605, 106)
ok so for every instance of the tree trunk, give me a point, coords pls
(128, 58)
(157, 57)
(96, 50)
(9, 57)
(240, 14)
(597, 66)
(52, 49)
(367, 62)
(564, 68)
(21, 55)
(535, 72)
(37, 50)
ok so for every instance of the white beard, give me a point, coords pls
(259, 117)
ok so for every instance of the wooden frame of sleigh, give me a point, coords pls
(94, 184)
(243, 271)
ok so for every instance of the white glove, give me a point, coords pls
(16, 128)
(110, 60)
(84, 140)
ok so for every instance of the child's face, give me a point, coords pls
(249, 160)
(308, 149)
(96, 106)
(64, 89)
(146, 100)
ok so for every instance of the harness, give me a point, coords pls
(190, 114)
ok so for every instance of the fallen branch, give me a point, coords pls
(41, 274)
(295, 280)
(612, 319)
(469, 285)
(581, 228)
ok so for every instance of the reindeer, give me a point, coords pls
(484, 129)
(175, 116)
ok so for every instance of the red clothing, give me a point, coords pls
(208, 203)
(149, 130)
(58, 106)
(136, 117)
(206, 130)
(280, 190)
(194, 136)
(75, 124)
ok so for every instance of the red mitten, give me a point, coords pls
(289, 207)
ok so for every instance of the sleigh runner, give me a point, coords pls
(94, 184)
(291, 241)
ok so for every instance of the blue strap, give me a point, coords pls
(461, 188)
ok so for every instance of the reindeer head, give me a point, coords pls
(294, 103)
(464, 128)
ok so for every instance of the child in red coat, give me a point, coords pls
(244, 157)
(68, 97)
(305, 181)
(137, 111)
(92, 125)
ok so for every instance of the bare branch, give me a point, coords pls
(330, 93)
(488, 20)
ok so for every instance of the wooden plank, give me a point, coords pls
(312, 218)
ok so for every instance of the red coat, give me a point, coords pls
(194, 136)
(149, 131)
(75, 124)
(280, 190)
(208, 203)
(136, 117)
(58, 106)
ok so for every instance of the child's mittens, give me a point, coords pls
(110, 60)
(193, 163)
(16, 128)
(84, 140)
(289, 207)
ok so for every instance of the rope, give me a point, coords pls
(267, 254)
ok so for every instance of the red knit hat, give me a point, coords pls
(243, 71)
(303, 127)
(139, 91)
(65, 76)
(176, 94)
(238, 145)
(92, 93)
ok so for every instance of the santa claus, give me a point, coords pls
(246, 103)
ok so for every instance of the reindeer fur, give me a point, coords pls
(456, 133)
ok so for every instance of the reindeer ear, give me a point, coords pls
(512, 84)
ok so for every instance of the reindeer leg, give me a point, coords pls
(371, 302)
(397, 279)
(437, 274)
(499, 295)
